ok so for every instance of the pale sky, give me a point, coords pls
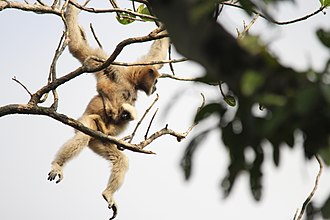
(154, 187)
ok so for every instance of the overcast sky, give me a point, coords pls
(154, 187)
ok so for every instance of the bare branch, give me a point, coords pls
(95, 37)
(142, 118)
(52, 73)
(170, 57)
(150, 63)
(152, 119)
(84, 69)
(114, 10)
(37, 8)
(309, 198)
(246, 29)
(279, 22)
(192, 79)
(36, 110)
(26, 89)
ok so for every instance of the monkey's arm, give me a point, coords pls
(78, 44)
(157, 51)
(70, 149)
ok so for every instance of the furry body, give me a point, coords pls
(110, 110)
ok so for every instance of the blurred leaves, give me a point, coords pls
(324, 36)
(293, 102)
(186, 161)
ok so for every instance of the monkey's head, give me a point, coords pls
(147, 79)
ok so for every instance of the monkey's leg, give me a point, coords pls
(70, 149)
(119, 168)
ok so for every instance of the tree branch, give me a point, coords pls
(309, 198)
(37, 8)
(278, 22)
(36, 110)
(114, 10)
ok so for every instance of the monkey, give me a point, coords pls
(96, 118)
(113, 107)
(115, 78)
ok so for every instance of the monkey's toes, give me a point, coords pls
(115, 211)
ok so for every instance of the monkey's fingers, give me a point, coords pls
(115, 211)
(52, 176)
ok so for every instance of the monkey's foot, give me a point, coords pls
(111, 204)
(56, 171)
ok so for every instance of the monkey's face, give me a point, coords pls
(148, 79)
(126, 113)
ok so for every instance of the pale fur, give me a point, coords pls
(117, 87)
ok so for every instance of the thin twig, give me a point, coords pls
(279, 22)
(149, 63)
(114, 10)
(221, 91)
(41, 3)
(85, 69)
(26, 89)
(95, 37)
(152, 119)
(246, 29)
(309, 198)
(52, 73)
(142, 118)
(192, 79)
(170, 58)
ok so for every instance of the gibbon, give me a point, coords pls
(110, 110)
(95, 118)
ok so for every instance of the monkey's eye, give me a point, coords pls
(150, 71)
(125, 116)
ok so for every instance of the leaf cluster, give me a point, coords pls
(292, 102)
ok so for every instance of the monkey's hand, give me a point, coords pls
(56, 171)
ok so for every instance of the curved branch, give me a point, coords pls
(150, 63)
(37, 8)
(309, 198)
(36, 110)
(114, 10)
(279, 22)
(84, 69)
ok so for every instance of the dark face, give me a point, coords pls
(149, 80)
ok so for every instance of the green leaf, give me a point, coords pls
(125, 18)
(144, 10)
(186, 161)
(325, 3)
(270, 99)
(325, 210)
(230, 100)
(250, 82)
(208, 110)
(324, 36)
(325, 154)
